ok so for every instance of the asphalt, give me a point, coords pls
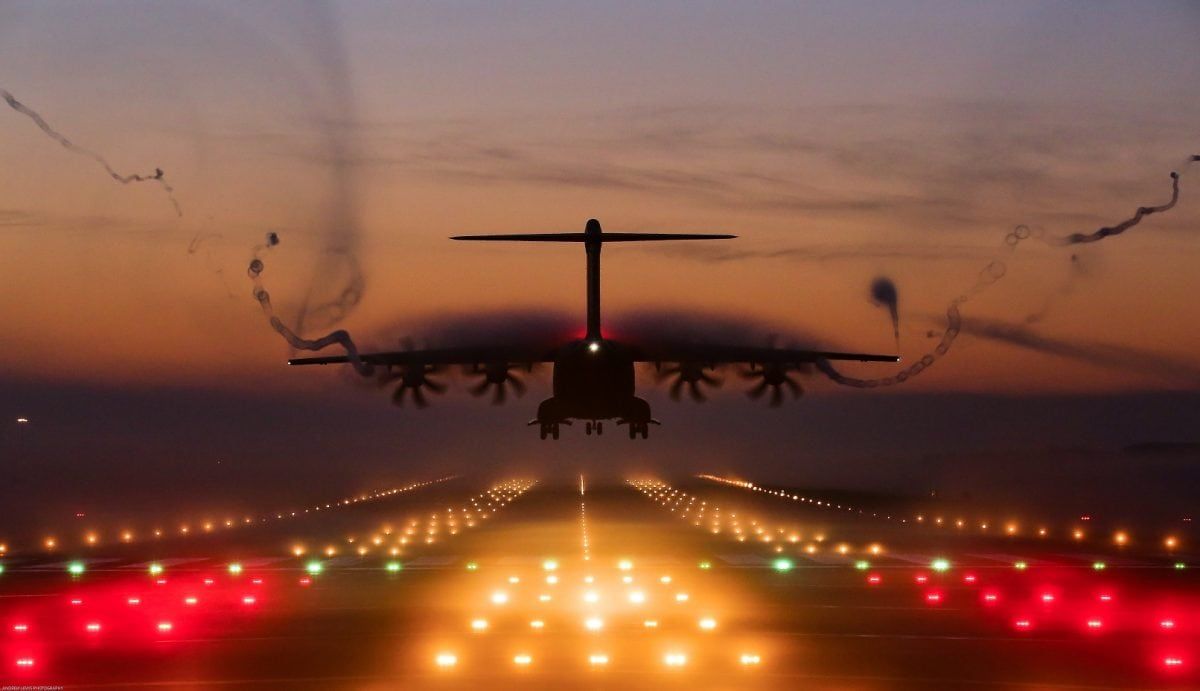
(641, 584)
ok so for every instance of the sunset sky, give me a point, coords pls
(840, 141)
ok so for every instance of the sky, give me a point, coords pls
(840, 141)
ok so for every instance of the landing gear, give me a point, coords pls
(639, 428)
(597, 426)
(548, 429)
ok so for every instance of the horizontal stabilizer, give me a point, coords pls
(584, 237)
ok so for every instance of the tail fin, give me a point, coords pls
(592, 238)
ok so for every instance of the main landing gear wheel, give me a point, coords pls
(548, 429)
(639, 428)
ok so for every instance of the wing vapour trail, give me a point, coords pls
(75, 148)
(340, 336)
(991, 273)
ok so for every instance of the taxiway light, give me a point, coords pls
(446, 659)
(749, 659)
(479, 624)
(1, 568)
(1121, 538)
(705, 565)
(75, 568)
(393, 566)
(782, 565)
(472, 566)
(862, 564)
(940, 565)
(314, 567)
(598, 659)
(1180, 565)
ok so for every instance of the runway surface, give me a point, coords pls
(647, 583)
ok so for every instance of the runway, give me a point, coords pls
(635, 583)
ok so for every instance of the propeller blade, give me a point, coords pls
(794, 387)
(499, 394)
(419, 397)
(757, 392)
(694, 390)
(434, 386)
(518, 386)
(676, 388)
(480, 388)
(776, 396)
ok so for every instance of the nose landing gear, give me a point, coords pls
(598, 426)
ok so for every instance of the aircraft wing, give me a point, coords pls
(472, 355)
(715, 355)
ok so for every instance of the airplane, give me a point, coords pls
(593, 376)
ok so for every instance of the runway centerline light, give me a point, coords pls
(499, 597)
(156, 569)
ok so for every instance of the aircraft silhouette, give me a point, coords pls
(594, 376)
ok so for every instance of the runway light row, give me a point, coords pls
(93, 538)
(1119, 538)
(743, 528)
(673, 659)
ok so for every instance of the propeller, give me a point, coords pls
(414, 380)
(499, 377)
(690, 375)
(775, 376)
